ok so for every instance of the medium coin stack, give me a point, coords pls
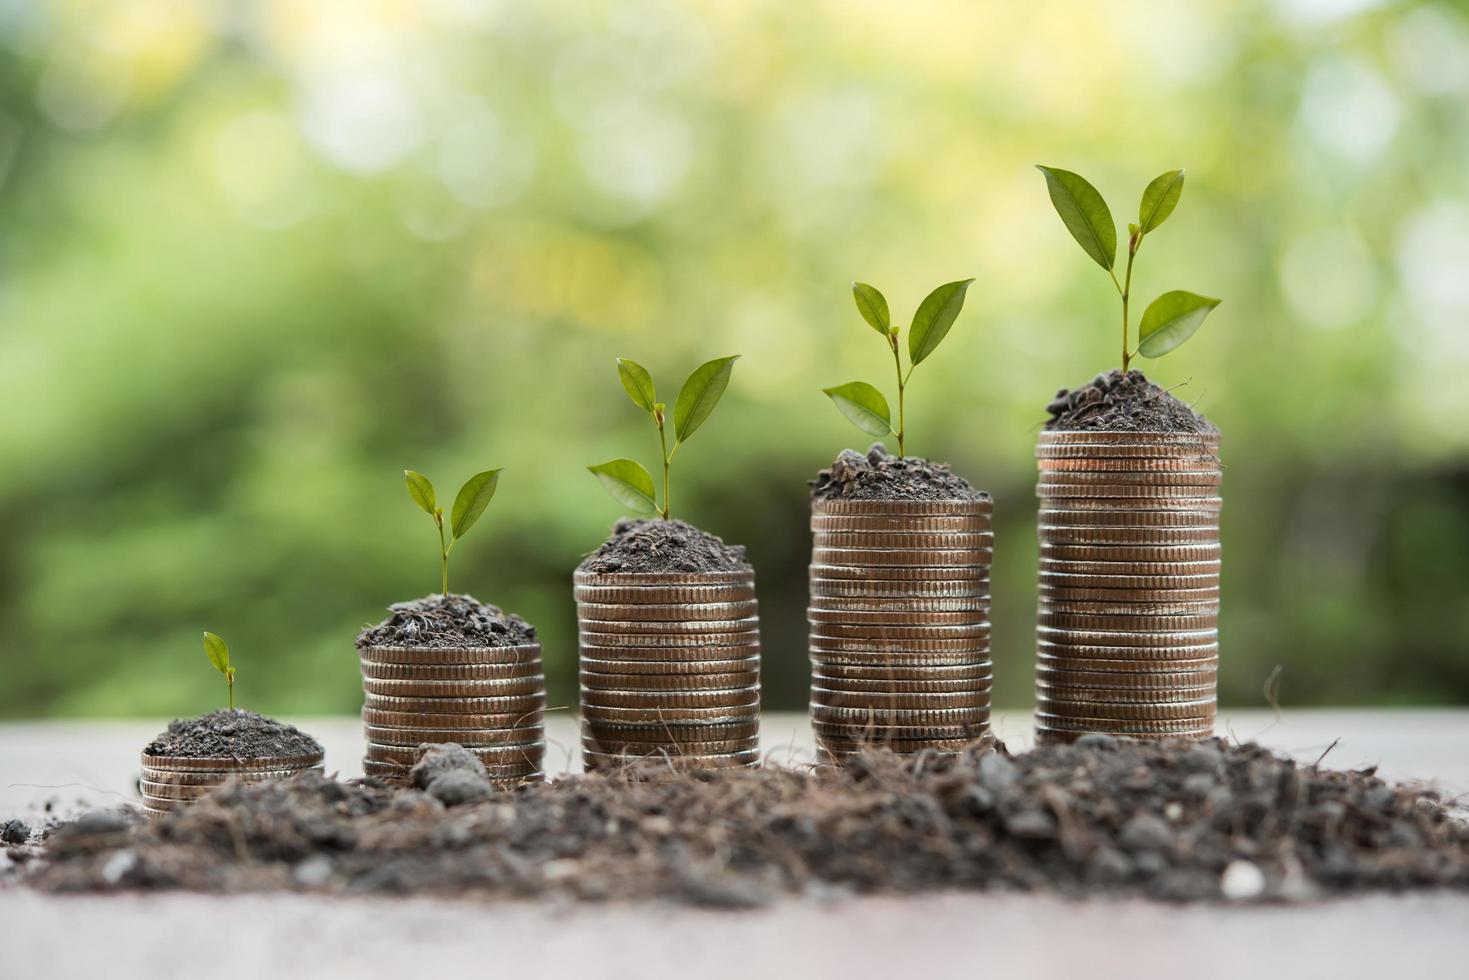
(491, 700)
(171, 781)
(900, 631)
(670, 669)
(1127, 633)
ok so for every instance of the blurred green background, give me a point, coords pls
(255, 259)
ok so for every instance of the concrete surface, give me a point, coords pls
(283, 936)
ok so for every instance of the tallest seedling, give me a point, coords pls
(627, 480)
(1170, 319)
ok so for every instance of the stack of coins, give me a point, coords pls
(1127, 635)
(900, 631)
(491, 700)
(171, 781)
(670, 669)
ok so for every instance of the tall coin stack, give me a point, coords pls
(670, 668)
(900, 631)
(1127, 633)
(170, 782)
(491, 700)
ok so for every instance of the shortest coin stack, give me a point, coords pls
(171, 781)
(670, 668)
(491, 700)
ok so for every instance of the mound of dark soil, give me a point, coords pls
(882, 476)
(443, 621)
(232, 734)
(1114, 402)
(1175, 820)
(655, 545)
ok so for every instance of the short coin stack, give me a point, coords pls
(1127, 633)
(172, 781)
(900, 631)
(491, 700)
(670, 668)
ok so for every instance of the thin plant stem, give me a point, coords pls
(667, 459)
(229, 686)
(443, 551)
(902, 384)
(1124, 289)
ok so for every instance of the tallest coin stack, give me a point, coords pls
(1127, 631)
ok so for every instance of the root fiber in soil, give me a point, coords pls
(656, 545)
(1114, 402)
(1175, 820)
(879, 475)
(447, 621)
(231, 734)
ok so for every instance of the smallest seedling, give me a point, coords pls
(471, 502)
(219, 655)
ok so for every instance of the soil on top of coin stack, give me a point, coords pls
(1176, 820)
(232, 734)
(657, 545)
(879, 475)
(447, 621)
(1114, 402)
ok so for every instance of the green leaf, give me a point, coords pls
(1171, 319)
(934, 318)
(218, 652)
(1159, 200)
(1084, 213)
(629, 484)
(873, 306)
(421, 491)
(473, 498)
(699, 394)
(864, 406)
(638, 383)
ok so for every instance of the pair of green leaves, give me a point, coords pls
(936, 314)
(861, 403)
(469, 504)
(1171, 318)
(629, 483)
(218, 653)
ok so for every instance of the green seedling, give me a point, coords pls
(219, 654)
(629, 483)
(471, 502)
(1170, 319)
(862, 404)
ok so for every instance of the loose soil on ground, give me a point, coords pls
(655, 545)
(447, 621)
(232, 734)
(879, 475)
(1114, 402)
(1177, 821)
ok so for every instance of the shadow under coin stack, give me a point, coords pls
(670, 668)
(173, 781)
(900, 631)
(489, 699)
(1127, 632)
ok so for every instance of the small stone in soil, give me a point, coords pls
(655, 545)
(15, 832)
(1120, 817)
(232, 734)
(447, 621)
(436, 759)
(879, 475)
(1112, 402)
